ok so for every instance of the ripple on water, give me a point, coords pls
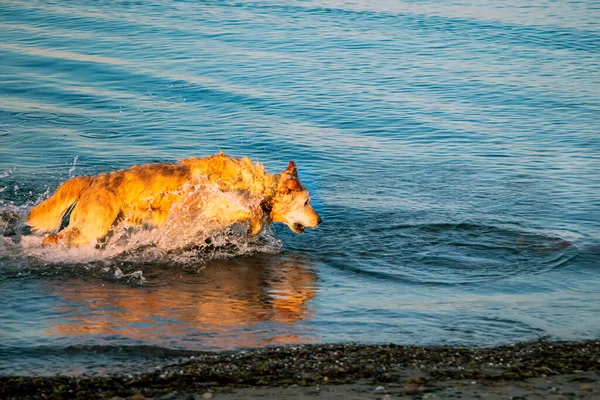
(100, 134)
(453, 254)
(72, 119)
(36, 116)
(53, 118)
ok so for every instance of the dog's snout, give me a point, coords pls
(319, 220)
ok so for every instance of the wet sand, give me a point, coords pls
(534, 370)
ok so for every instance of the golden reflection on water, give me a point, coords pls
(244, 302)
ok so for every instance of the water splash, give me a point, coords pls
(188, 236)
(72, 169)
(2, 176)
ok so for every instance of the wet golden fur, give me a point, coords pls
(147, 194)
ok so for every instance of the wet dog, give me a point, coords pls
(149, 195)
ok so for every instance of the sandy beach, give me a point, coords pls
(534, 370)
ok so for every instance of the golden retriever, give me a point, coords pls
(149, 194)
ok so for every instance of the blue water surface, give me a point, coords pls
(452, 149)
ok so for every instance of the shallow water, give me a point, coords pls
(452, 150)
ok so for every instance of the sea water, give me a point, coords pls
(452, 149)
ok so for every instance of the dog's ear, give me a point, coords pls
(293, 185)
(291, 169)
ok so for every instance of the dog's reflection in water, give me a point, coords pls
(244, 302)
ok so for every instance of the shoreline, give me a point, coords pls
(522, 370)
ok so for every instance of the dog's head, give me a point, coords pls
(291, 203)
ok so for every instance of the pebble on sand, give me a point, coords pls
(411, 388)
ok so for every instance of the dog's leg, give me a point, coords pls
(66, 236)
(257, 221)
(91, 219)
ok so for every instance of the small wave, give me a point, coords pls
(124, 351)
(88, 360)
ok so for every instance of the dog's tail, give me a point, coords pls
(47, 216)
